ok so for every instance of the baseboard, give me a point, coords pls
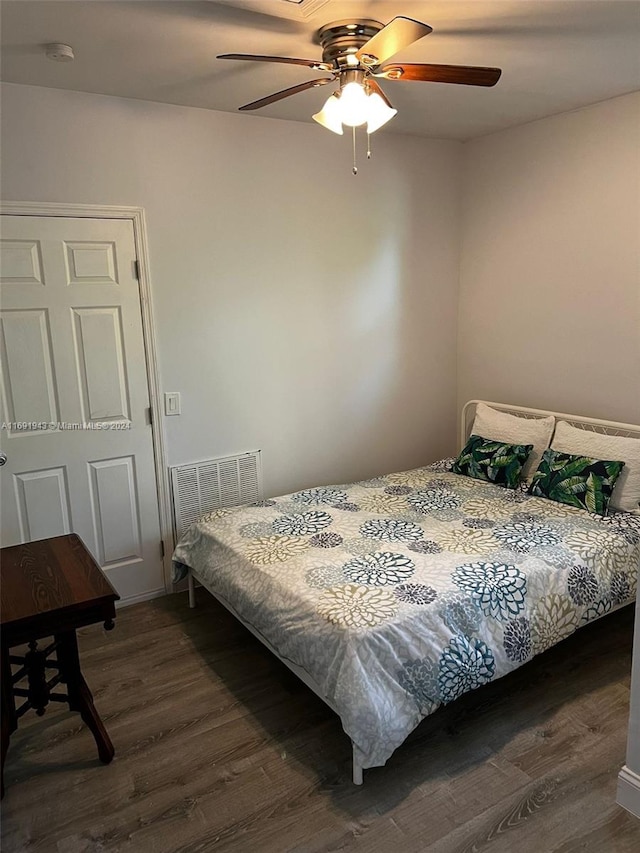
(142, 596)
(629, 791)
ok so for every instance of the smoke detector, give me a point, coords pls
(59, 52)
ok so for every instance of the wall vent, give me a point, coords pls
(204, 486)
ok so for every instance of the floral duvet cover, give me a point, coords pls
(401, 593)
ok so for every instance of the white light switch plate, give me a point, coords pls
(172, 403)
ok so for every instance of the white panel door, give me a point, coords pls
(75, 399)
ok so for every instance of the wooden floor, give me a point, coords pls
(220, 748)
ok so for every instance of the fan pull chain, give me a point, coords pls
(355, 166)
(368, 146)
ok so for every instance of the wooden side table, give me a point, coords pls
(49, 589)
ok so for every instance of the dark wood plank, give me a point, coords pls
(221, 749)
(572, 808)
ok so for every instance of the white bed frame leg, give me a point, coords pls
(192, 591)
(357, 767)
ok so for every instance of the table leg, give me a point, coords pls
(8, 722)
(35, 662)
(79, 696)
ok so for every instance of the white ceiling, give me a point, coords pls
(555, 55)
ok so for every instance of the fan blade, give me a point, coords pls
(284, 93)
(309, 63)
(398, 33)
(374, 87)
(468, 75)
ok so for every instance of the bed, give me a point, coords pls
(393, 596)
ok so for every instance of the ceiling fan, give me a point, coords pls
(354, 52)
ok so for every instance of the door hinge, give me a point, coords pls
(136, 270)
(162, 548)
(149, 413)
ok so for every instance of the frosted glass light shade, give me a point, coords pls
(330, 115)
(378, 112)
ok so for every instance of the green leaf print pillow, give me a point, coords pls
(579, 481)
(485, 459)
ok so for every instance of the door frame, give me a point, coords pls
(137, 217)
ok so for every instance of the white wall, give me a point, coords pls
(299, 309)
(550, 264)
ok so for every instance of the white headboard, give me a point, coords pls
(592, 424)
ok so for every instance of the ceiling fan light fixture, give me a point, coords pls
(354, 106)
(330, 115)
(355, 52)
